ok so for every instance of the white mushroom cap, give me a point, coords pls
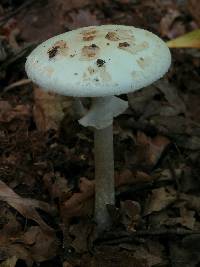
(99, 61)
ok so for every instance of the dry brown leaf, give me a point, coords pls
(10, 262)
(80, 232)
(185, 256)
(194, 8)
(167, 21)
(160, 199)
(147, 151)
(110, 256)
(25, 206)
(49, 109)
(70, 5)
(186, 219)
(8, 113)
(192, 202)
(18, 250)
(57, 186)
(79, 203)
(42, 246)
(128, 177)
(67, 264)
(31, 246)
(82, 18)
(131, 214)
(151, 259)
(171, 94)
(152, 148)
(138, 100)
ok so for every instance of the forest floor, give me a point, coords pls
(46, 157)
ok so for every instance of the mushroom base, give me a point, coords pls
(104, 175)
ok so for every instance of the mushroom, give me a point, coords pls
(100, 62)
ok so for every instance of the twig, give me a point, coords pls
(128, 238)
(16, 11)
(14, 58)
(17, 84)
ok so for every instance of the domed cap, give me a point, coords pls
(99, 61)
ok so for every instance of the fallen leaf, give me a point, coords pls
(67, 264)
(80, 203)
(148, 150)
(80, 241)
(126, 176)
(49, 109)
(3, 50)
(160, 199)
(57, 186)
(110, 256)
(181, 256)
(10, 262)
(171, 94)
(138, 100)
(67, 6)
(148, 256)
(25, 206)
(194, 8)
(167, 21)
(188, 40)
(173, 126)
(131, 214)
(31, 245)
(192, 202)
(189, 142)
(8, 113)
(42, 246)
(34, 245)
(186, 219)
(81, 18)
(35, 16)
(192, 242)
(157, 220)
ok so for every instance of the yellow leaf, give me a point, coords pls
(188, 40)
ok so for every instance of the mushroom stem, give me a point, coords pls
(100, 117)
(104, 175)
(78, 108)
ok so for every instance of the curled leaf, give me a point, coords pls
(79, 203)
(25, 206)
(188, 40)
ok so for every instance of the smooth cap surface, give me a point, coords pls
(99, 61)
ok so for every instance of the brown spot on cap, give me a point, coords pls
(91, 70)
(52, 52)
(90, 52)
(112, 36)
(144, 62)
(124, 44)
(59, 47)
(100, 62)
(89, 35)
(49, 71)
(133, 48)
(61, 44)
